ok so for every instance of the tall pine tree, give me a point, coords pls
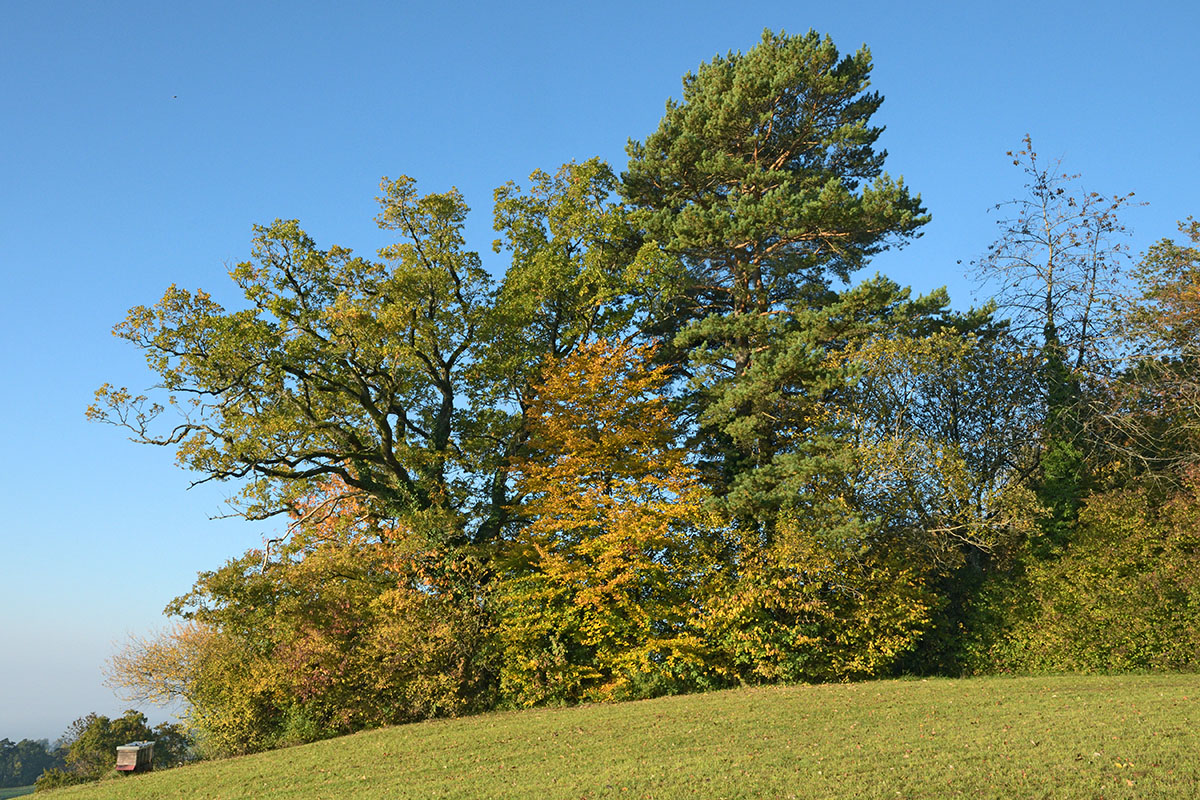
(765, 181)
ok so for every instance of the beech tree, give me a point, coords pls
(600, 579)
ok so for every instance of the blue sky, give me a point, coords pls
(140, 141)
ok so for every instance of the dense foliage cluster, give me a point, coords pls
(673, 447)
(21, 763)
(87, 751)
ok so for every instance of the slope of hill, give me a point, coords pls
(1060, 737)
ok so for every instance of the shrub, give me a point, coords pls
(1125, 594)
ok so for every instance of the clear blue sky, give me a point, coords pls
(140, 141)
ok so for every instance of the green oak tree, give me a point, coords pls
(337, 366)
(572, 249)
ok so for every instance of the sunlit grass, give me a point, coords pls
(1062, 737)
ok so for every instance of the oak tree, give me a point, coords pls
(336, 366)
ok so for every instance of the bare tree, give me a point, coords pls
(1054, 272)
(1054, 268)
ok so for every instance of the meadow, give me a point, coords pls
(7, 792)
(1061, 737)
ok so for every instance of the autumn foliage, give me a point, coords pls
(598, 596)
(673, 447)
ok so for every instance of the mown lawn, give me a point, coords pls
(1061, 737)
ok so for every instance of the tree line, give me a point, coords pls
(21, 763)
(674, 447)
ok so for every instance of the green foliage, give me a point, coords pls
(338, 367)
(765, 177)
(765, 182)
(56, 778)
(942, 417)
(570, 245)
(90, 747)
(1061, 488)
(1118, 592)
(496, 497)
(22, 762)
(91, 742)
(1124, 596)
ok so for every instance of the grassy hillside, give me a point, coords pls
(1065, 737)
(14, 791)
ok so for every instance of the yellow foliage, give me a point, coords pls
(811, 605)
(597, 598)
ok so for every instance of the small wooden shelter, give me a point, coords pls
(135, 757)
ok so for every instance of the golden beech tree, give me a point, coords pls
(596, 595)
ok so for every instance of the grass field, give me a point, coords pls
(14, 791)
(1062, 737)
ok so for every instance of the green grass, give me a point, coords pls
(1061, 737)
(14, 791)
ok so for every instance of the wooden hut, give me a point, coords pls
(135, 757)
